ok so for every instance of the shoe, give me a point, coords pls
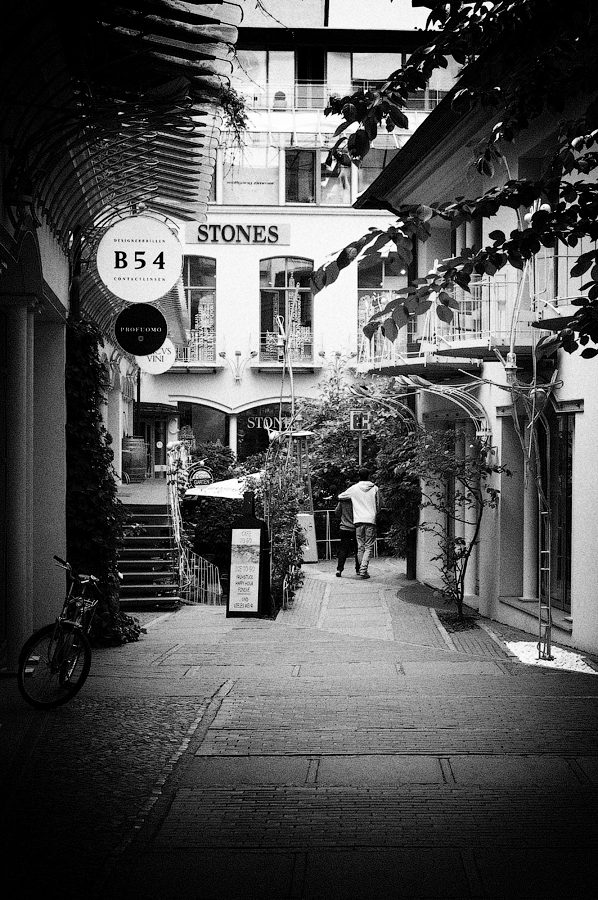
(365, 575)
(338, 574)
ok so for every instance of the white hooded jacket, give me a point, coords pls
(364, 496)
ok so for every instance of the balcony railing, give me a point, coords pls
(552, 286)
(484, 319)
(315, 95)
(300, 347)
(201, 349)
(488, 314)
(379, 350)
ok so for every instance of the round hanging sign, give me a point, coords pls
(160, 361)
(139, 259)
(140, 329)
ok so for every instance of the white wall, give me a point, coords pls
(579, 382)
(315, 234)
(383, 14)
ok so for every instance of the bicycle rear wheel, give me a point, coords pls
(53, 665)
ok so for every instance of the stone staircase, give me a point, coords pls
(147, 561)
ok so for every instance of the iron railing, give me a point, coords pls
(300, 347)
(201, 348)
(301, 95)
(198, 579)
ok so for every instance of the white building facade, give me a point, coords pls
(279, 207)
(538, 548)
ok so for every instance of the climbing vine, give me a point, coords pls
(95, 517)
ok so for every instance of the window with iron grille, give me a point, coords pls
(199, 280)
(286, 309)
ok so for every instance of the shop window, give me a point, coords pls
(286, 309)
(199, 280)
(207, 424)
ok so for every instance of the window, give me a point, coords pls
(300, 176)
(286, 309)
(309, 179)
(378, 281)
(440, 83)
(310, 65)
(305, 78)
(373, 165)
(250, 176)
(199, 280)
(371, 69)
(552, 272)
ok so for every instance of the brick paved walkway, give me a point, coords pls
(351, 748)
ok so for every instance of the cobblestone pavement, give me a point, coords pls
(351, 748)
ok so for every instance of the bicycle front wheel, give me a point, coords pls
(53, 665)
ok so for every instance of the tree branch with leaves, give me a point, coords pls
(522, 59)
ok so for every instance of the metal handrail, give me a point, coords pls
(198, 579)
(314, 94)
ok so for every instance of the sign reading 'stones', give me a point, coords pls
(139, 259)
(237, 234)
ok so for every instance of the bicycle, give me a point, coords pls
(56, 659)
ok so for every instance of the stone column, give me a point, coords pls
(18, 494)
(232, 432)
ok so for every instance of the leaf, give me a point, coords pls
(422, 307)
(398, 117)
(371, 127)
(583, 264)
(358, 143)
(349, 111)
(589, 353)
(425, 212)
(444, 313)
(499, 237)
(341, 128)
(400, 317)
(390, 330)
(547, 345)
(370, 329)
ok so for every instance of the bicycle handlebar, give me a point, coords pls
(82, 579)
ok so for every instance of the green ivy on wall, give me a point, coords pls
(95, 517)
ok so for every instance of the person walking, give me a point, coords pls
(365, 500)
(348, 545)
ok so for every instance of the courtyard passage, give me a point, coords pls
(350, 748)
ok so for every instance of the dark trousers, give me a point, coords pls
(347, 548)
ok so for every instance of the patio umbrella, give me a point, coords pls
(231, 489)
